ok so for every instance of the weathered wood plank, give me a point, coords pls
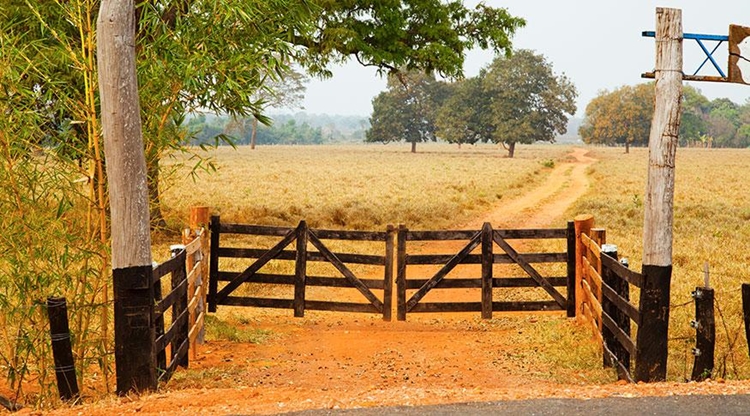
(425, 307)
(521, 261)
(571, 268)
(401, 272)
(170, 299)
(350, 235)
(450, 265)
(532, 234)
(423, 259)
(497, 282)
(345, 271)
(623, 305)
(171, 333)
(634, 278)
(486, 271)
(258, 302)
(228, 228)
(388, 274)
(525, 234)
(342, 306)
(255, 253)
(170, 266)
(282, 279)
(300, 270)
(622, 337)
(440, 235)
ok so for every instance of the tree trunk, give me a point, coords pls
(129, 199)
(414, 147)
(254, 131)
(627, 146)
(511, 149)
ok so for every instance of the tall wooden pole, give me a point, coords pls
(126, 178)
(658, 201)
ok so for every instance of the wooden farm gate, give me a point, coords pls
(489, 240)
(301, 255)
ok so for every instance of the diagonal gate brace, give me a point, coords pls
(341, 267)
(260, 262)
(440, 275)
(528, 268)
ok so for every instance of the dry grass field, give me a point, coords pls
(711, 224)
(360, 186)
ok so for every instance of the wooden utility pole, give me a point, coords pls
(658, 201)
(126, 178)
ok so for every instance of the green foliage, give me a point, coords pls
(427, 35)
(516, 99)
(406, 110)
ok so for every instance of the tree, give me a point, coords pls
(406, 110)
(465, 116)
(517, 99)
(622, 116)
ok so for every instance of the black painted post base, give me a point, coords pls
(651, 343)
(135, 359)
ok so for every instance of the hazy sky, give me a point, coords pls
(597, 44)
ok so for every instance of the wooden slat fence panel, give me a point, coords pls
(488, 256)
(302, 256)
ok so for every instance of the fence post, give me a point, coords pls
(582, 224)
(178, 277)
(651, 341)
(65, 371)
(487, 260)
(401, 273)
(705, 326)
(388, 274)
(198, 218)
(213, 274)
(300, 270)
(134, 328)
(746, 312)
(571, 271)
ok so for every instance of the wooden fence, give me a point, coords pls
(301, 255)
(604, 288)
(488, 239)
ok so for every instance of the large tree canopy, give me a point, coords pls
(516, 99)
(622, 116)
(406, 110)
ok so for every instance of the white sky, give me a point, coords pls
(596, 43)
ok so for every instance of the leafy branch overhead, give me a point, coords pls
(427, 35)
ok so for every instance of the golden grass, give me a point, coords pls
(712, 209)
(359, 186)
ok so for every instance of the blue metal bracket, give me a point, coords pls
(699, 38)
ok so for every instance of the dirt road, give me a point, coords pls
(329, 361)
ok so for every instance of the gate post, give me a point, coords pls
(582, 224)
(487, 260)
(300, 270)
(571, 270)
(401, 273)
(388, 274)
(213, 274)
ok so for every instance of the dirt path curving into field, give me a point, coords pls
(334, 360)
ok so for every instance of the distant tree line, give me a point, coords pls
(300, 128)
(515, 99)
(623, 117)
